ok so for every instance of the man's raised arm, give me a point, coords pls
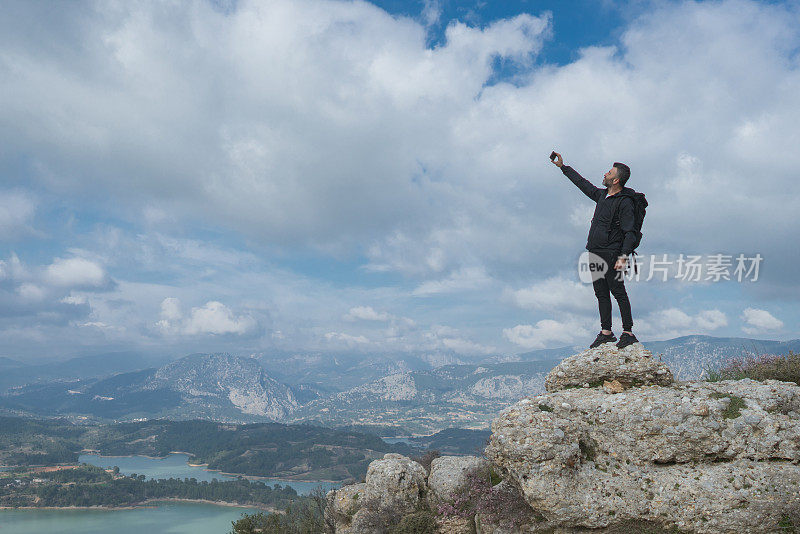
(595, 193)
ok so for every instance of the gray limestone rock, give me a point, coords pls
(707, 457)
(395, 480)
(643, 452)
(342, 505)
(448, 475)
(632, 366)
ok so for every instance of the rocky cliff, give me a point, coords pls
(425, 402)
(206, 379)
(614, 445)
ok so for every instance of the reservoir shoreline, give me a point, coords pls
(289, 478)
(149, 503)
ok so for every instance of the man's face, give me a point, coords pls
(610, 177)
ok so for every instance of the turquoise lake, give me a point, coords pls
(175, 465)
(165, 518)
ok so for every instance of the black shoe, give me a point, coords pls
(626, 339)
(603, 338)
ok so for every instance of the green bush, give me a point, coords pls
(304, 516)
(419, 522)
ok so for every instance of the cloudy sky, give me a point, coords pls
(346, 175)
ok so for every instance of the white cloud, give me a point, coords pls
(368, 135)
(464, 279)
(13, 268)
(359, 139)
(216, 318)
(171, 309)
(74, 299)
(555, 293)
(16, 211)
(711, 320)
(672, 318)
(444, 336)
(431, 11)
(353, 94)
(366, 313)
(545, 332)
(77, 273)
(758, 321)
(347, 339)
(31, 292)
(103, 326)
(674, 322)
(212, 318)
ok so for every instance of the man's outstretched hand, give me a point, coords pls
(558, 161)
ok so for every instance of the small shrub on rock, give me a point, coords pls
(500, 504)
(420, 522)
(378, 516)
(388, 518)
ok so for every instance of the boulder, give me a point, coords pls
(342, 505)
(396, 481)
(632, 366)
(705, 457)
(449, 475)
(394, 487)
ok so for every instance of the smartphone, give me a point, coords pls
(553, 155)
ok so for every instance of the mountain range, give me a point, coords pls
(422, 393)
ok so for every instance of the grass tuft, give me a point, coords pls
(758, 367)
(734, 408)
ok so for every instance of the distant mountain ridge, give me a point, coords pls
(427, 401)
(338, 371)
(17, 373)
(241, 380)
(208, 386)
(334, 390)
(467, 396)
(9, 363)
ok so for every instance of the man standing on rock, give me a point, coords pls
(611, 237)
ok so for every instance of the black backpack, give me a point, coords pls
(639, 211)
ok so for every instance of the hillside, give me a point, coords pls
(208, 386)
(414, 393)
(466, 396)
(262, 449)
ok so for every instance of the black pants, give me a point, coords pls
(612, 282)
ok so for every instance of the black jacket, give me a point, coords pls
(613, 222)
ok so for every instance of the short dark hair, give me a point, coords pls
(623, 172)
